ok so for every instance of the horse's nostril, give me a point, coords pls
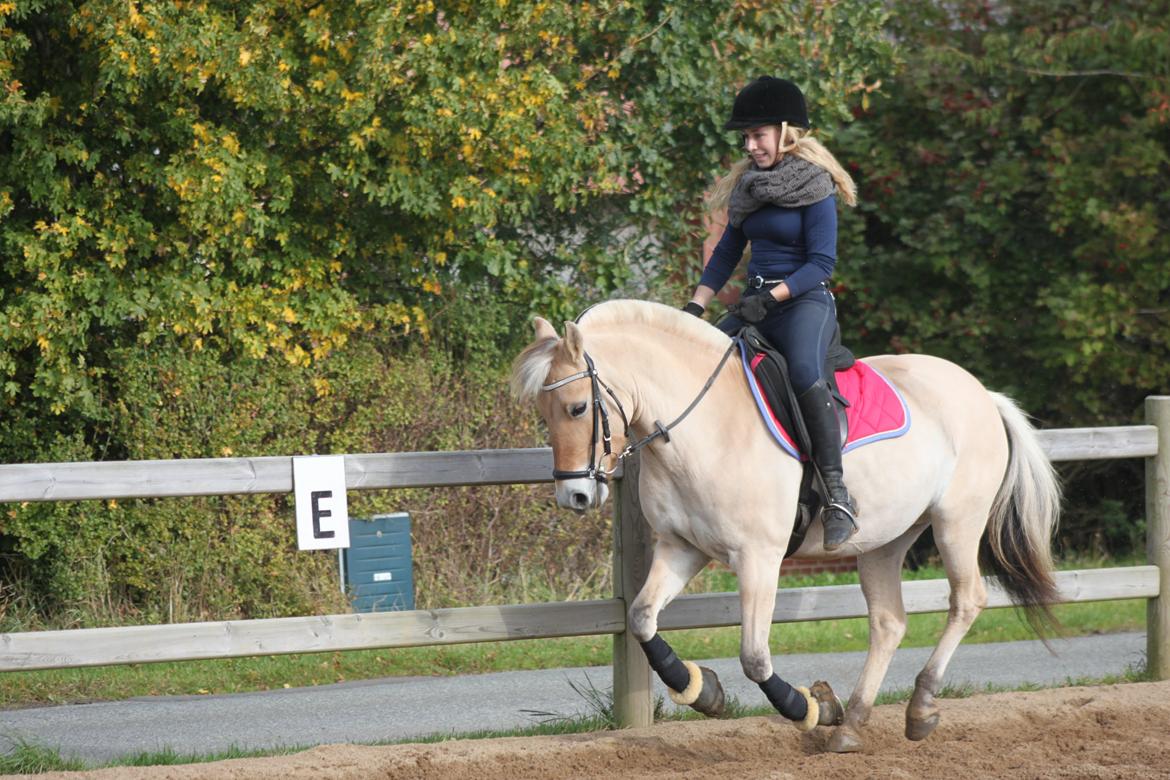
(580, 501)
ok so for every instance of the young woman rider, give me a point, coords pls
(782, 200)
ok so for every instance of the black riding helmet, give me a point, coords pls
(768, 101)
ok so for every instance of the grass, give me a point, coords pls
(19, 689)
(28, 758)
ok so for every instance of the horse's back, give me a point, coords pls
(939, 389)
(955, 434)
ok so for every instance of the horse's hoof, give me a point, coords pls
(832, 712)
(711, 701)
(844, 739)
(918, 729)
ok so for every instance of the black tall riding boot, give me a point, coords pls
(820, 418)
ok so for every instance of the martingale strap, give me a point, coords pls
(664, 431)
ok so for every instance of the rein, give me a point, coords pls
(601, 429)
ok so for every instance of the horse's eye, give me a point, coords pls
(579, 409)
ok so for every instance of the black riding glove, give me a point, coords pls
(754, 308)
(694, 308)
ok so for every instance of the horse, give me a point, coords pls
(714, 485)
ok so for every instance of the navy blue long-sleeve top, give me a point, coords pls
(799, 245)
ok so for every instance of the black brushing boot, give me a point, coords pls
(820, 418)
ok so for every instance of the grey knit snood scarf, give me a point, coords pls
(790, 183)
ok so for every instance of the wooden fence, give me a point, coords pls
(632, 677)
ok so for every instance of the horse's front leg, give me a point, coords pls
(675, 562)
(758, 572)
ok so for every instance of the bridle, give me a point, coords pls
(601, 429)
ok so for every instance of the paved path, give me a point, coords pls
(404, 708)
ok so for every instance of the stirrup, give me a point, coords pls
(848, 510)
(849, 514)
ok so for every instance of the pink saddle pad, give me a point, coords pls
(876, 409)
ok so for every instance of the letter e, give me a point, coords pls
(318, 513)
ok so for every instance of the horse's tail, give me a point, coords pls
(1024, 515)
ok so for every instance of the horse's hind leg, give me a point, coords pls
(957, 530)
(880, 572)
(674, 564)
(757, 572)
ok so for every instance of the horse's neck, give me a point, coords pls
(661, 373)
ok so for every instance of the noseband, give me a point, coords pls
(601, 430)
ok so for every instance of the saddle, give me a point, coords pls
(771, 372)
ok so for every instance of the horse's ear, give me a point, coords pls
(574, 341)
(544, 329)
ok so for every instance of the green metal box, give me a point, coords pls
(378, 570)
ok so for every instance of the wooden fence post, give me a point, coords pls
(1158, 539)
(633, 702)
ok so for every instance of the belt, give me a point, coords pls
(757, 282)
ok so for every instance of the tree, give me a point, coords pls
(268, 178)
(245, 198)
(1013, 211)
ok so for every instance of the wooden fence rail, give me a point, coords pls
(632, 688)
(235, 476)
(327, 633)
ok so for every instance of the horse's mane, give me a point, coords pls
(532, 365)
(657, 315)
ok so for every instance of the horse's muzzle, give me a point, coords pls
(581, 493)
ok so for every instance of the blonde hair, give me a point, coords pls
(799, 142)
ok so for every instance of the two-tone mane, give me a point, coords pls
(531, 367)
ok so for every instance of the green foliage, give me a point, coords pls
(28, 758)
(177, 559)
(1014, 217)
(261, 178)
(227, 227)
(183, 558)
(1014, 213)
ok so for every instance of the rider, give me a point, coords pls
(782, 200)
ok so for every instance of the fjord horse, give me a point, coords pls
(719, 487)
